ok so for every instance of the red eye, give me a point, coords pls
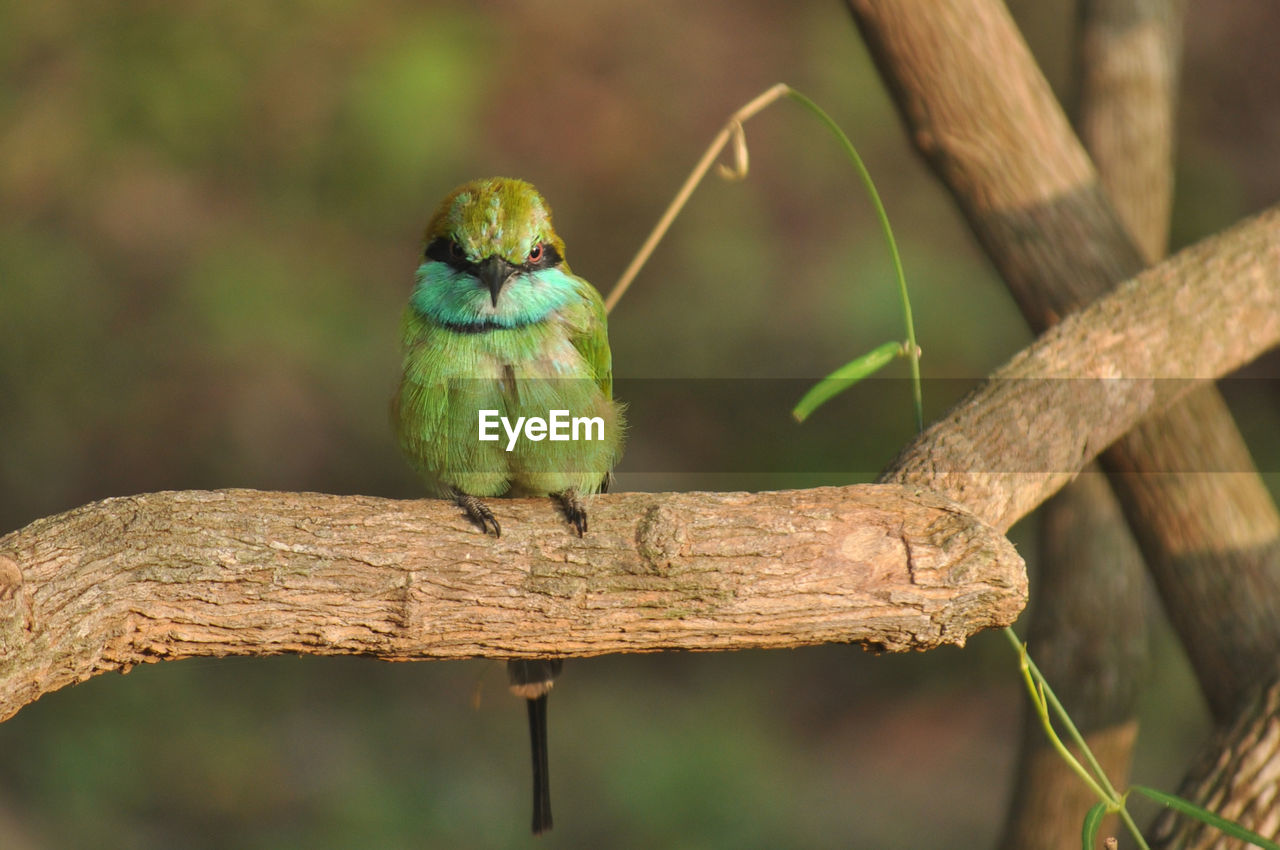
(535, 254)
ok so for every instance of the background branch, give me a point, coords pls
(1233, 777)
(1128, 54)
(1092, 652)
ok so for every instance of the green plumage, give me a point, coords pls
(536, 344)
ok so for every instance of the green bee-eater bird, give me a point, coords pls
(499, 331)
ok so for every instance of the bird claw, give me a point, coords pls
(478, 512)
(574, 510)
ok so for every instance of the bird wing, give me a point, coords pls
(589, 334)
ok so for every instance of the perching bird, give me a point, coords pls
(498, 327)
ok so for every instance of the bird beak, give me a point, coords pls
(494, 274)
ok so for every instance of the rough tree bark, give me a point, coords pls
(1022, 435)
(1129, 56)
(984, 118)
(1234, 777)
(242, 572)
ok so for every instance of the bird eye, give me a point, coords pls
(445, 250)
(535, 254)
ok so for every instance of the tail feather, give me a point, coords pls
(531, 679)
(541, 773)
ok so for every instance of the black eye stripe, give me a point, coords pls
(441, 249)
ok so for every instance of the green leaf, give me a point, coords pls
(845, 377)
(1092, 823)
(912, 350)
(1190, 809)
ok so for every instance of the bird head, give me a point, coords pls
(492, 258)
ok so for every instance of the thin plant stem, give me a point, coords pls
(1043, 699)
(731, 131)
(1072, 731)
(1132, 826)
(913, 350)
(1036, 687)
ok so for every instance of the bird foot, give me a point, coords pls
(478, 512)
(574, 510)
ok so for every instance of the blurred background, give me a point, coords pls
(210, 213)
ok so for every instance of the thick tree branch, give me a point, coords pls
(1130, 52)
(1234, 777)
(1022, 435)
(983, 116)
(241, 572)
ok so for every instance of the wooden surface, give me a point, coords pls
(1234, 776)
(1057, 404)
(1129, 56)
(242, 572)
